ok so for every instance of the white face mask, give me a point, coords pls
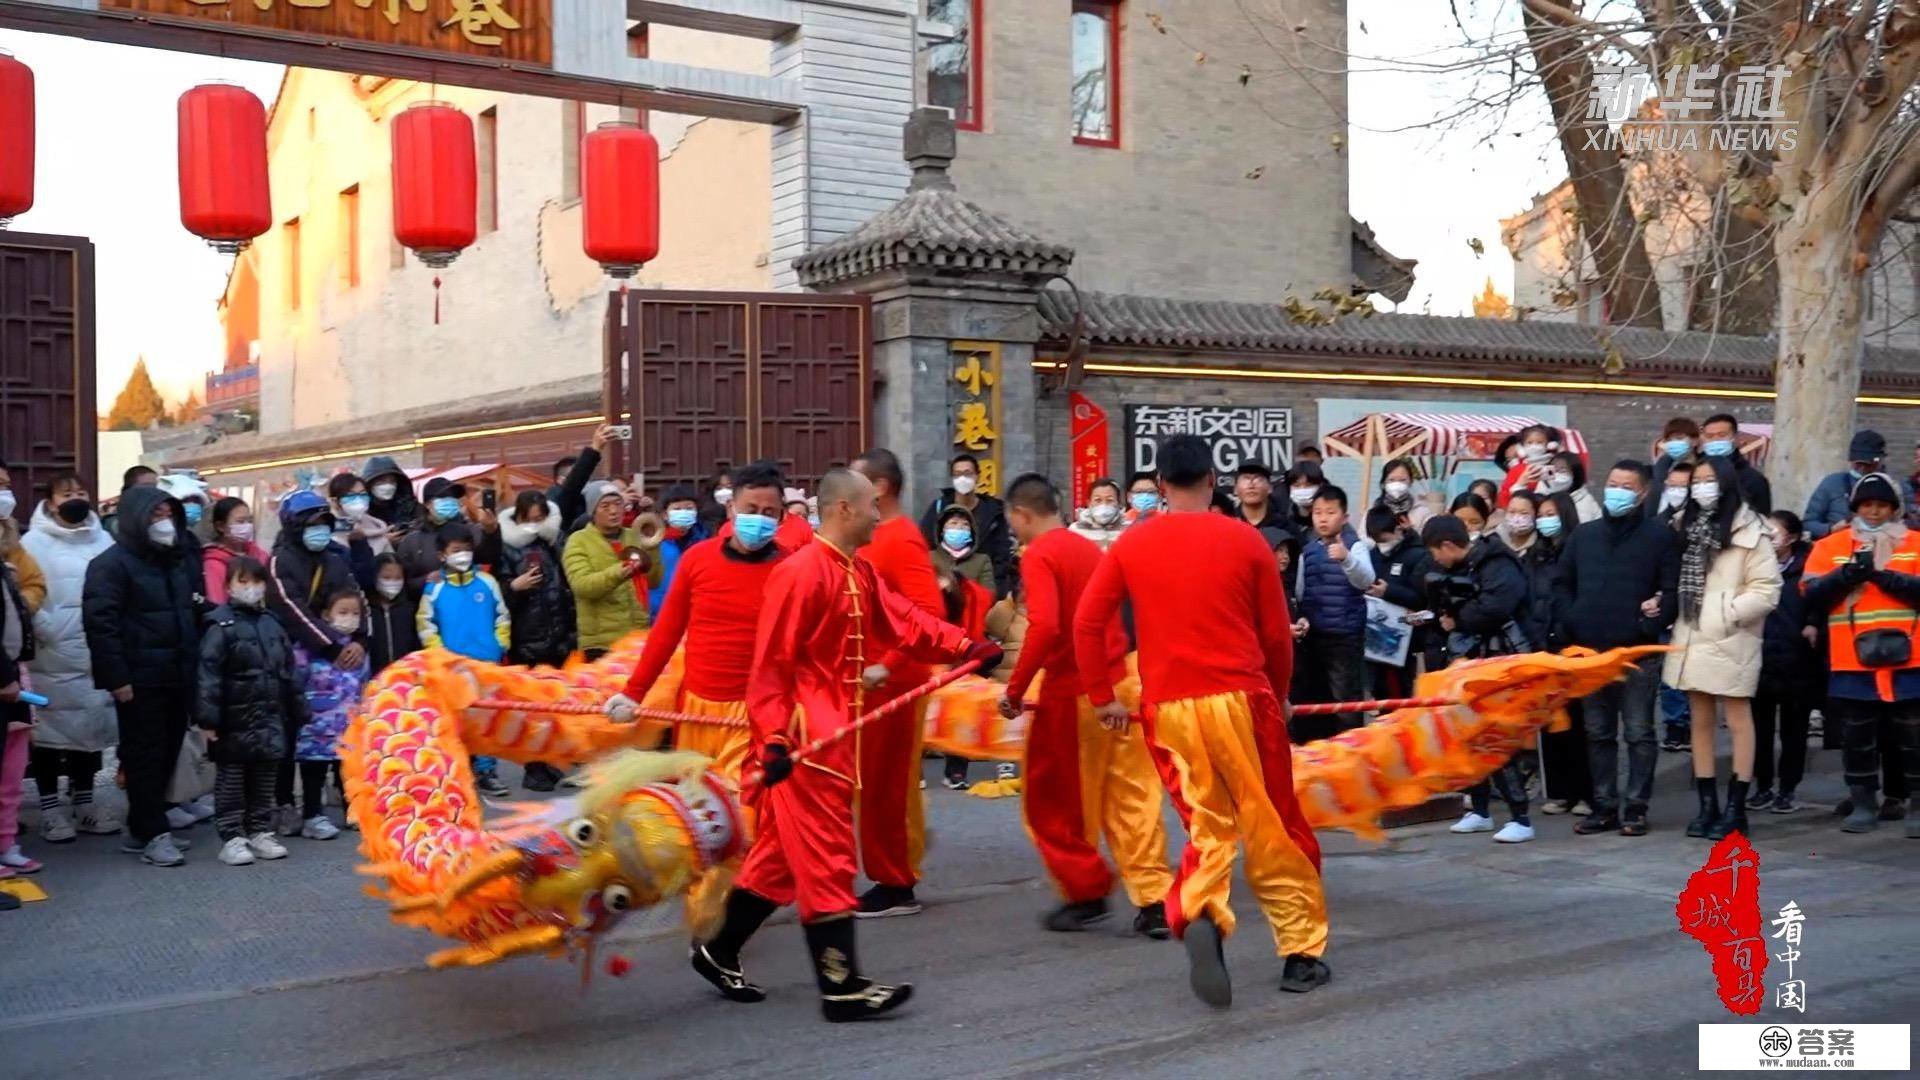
(1104, 514)
(7, 503)
(1397, 489)
(723, 495)
(241, 531)
(1555, 482)
(248, 595)
(162, 532)
(385, 490)
(346, 624)
(460, 561)
(964, 485)
(1535, 453)
(1673, 497)
(1302, 496)
(390, 587)
(1707, 494)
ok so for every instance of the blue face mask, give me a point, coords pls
(957, 538)
(356, 504)
(316, 537)
(194, 512)
(682, 518)
(1144, 502)
(1676, 448)
(446, 509)
(1619, 501)
(1718, 447)
(754, 530)
(1549, 527)
(1862, 528)
(1856, 474)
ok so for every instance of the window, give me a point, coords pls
(1096, 72)
(573, 129)
(487, 157)
(350, 238)
(291, 230)
(953, 66)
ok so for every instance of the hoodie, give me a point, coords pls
(141, 603)
(403, 510)
(298, 584)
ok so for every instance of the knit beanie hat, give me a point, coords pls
(1874, 487)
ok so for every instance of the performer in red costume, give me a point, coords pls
(1216, 650)
(826, 612)
(1081, 779)
(893, 819)
(714, 604)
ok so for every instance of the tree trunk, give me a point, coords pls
(1817, 377)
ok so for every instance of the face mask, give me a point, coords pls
(385, 490)
(1519, 524)
(1619, 501)
(957, 539)
(346, 624)
(356, 505)
(1104, 514)
(1549, 527)
(1302, 496)
(1856, 474)
(74, 511)
(682, 518)
(754, 530)
(1556, 482)
(460, 561)
(390, 587)
(248, 595)
(316, 537)
(1676, 448)
(7, 503)
(1673, 497)
(162, 532)
(1535, 453)
(1386, 546)
(446, 509)
(1144, 502)
(1861, 527)
(964, 485)
(194, 512)
(723, 496)
(1397, 489)
(1707, 495)
(241, 531)
(1718, 448)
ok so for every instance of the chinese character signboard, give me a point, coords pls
(1720, 908)
(1089, 446)
(518, 30)
(973, 405)
(1237, 433)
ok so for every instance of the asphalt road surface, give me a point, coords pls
(1452, 957)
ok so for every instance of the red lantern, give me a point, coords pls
(224, 195)
(16, 138)
(435, 184)
(620, 190)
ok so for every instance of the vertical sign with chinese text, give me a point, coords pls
(519, 30)
(1720, 908)
(973, 399)
(1089, 446)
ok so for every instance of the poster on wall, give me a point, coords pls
(1451, 443)
(1089, 446)
(1237, 433)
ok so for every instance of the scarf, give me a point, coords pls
(1885, 540)
(1703, 543)
(1401, 506)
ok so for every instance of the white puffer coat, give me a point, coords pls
(80, 716)
(1720, 654)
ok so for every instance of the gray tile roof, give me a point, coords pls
(932, 228)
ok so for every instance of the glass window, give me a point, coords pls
(953, 66)
(1096, 72)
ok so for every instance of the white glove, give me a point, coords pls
(621, 708)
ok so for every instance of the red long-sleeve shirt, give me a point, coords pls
(1054, 571)
(826, 614)
(899, 554)
(714, 604)
(1207, 609)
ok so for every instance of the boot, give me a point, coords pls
(1709, 790)
(718, 960)
(1734, 820)
(1865, 816)
(845, 994)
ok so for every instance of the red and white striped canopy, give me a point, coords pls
(1461, 435)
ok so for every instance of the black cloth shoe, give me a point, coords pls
(1303, 973)
(1674, 744)
(1864, 814)
(1152, 921)
(1709, 791)
(887, 901)
(1634, 821)
(540, 776)
(1783, 803)
(1600, 821)
(1207, 963)
(1068, 918)
(1734, 819)
(845, 994)
(1892, 809)
(730, 981)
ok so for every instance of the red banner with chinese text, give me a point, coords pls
(1089, 446)
(1720, 908)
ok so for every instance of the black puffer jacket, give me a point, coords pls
(1789, 663)
(1481, 627)
(543, 616)
(140, 606)
(403, 510)
(1540, 618)
(248, 691)
(393, 631)
(299, 582)
(1608, 568)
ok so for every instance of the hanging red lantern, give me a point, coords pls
(620, 190)
(435, 182)
(16, 138)
(224, 196)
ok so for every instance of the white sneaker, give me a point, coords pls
(1513, 833)
(319, 828)
(56, 826)
(162, 851)
(201, 808)
(265, 846)
(1471, 823)
(235, 852)
(99, 823)
(180, 818)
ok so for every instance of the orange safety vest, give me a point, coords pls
(1868, 607)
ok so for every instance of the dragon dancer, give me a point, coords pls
(826, 613)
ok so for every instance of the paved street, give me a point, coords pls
(1452, 957)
